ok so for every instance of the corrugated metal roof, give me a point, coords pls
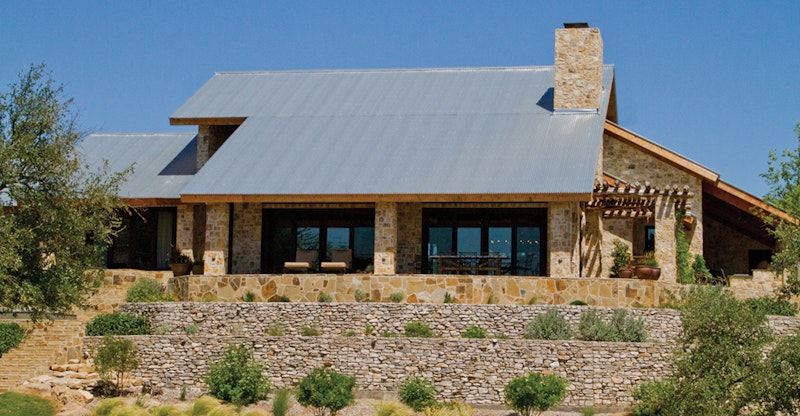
(163, 163)
(438, 131)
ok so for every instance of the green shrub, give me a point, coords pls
(550, 325)
(627, 328)
(310, 330)
(535, 392)
(118, 323)
(492, 299)
(448, 298)
(369, 329)
(654, 398)
(191, 329)
(284, 299)
(325, 389)
(578, 302)
(324, 298)
(771, 306)
(593, 328)
(237, 378)
(396, 297)
(416, 393)
(276, 329)
(115, 356)
(13, 404)
(474, 332)
(249, 297)
(452, 408)
(280, 403)
(145, 290)
(418, 329)
(11, 335)
(203, 406)
(700, 270)
(360, 295)
(388, 334)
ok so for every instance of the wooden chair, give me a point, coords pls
(304, 260)
(341, 260)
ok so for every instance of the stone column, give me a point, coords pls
(578, 69)
(665, 238)
(385, 237)
(184, 230)
(217, 234)
(246, 239)
(563, 225)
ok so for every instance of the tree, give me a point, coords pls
(55, 215)
(783, 178)
(115, 356)
(326, 391)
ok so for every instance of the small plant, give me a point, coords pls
(534, 393)
(771, 306)
(280, 403)
(448, 298)
(11, 335)
(532, 300)
(249, 297)
(650, 259)
(209, 297)
(453, 408)
(588, 411)
(276, 329)
(621, 256)
(162, 330)
(550, 325)
(236, 328)
(312, 330)
(350, 334)
(118, 323)
(324, 298)
(628, 329)
(700, 270)
(191, 329)
(396, 297)
(360, 295)
(115, 357)
(140, 401)
(326, 391)
(182, 396)
(392, 408)
(416, 393)
(492, 299)
(145, 290)
(369, 329)
(237, 378)
(474, 332)
(593, 328)
(418, 329)
(388, 334)
(578, 302)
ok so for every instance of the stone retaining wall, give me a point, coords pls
(340, 319)
(473, 370)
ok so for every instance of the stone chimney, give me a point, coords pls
(579, 68)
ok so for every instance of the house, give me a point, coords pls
(404, 166)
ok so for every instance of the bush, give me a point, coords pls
(396, 297)
(191, 329)
(621, 327)
(11, 335)
(280, 403)
(115, 356)
(550, 325)
(418, 329)
(360, 295)
(578, 302)
(237, 378)
(417, 393)
(448, 298)
(118, 323)
(654, 398)
(534, 393)
(771, 306)
(276, 329)
(249, 297)
(626, 328)
(145, 290)
(324, 298)
(325, 389)
(454, 408)
(474, 332)
(310, 330)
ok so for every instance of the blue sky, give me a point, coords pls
(718, 82)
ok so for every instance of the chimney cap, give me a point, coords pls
(578, 25)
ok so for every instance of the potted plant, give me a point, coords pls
(622, 260)
(649, 269)
(198, 267)
(179, 263)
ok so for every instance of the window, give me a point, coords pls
(649, 238)
(145, 240)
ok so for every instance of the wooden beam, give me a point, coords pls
(742, 200)
(210, 121)
(457, 198)
(152, 202)
(659, 152)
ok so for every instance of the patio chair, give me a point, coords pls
(304, 260)
(340, 261)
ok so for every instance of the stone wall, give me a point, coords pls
(578, 69)
(386, 237)
(730, 248)
(563, 233)
(217, 231)
(409, 237)
(246, 250)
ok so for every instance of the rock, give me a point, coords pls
(73, 397)
(74, 410)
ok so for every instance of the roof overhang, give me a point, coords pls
(459, 198)
(206, 121)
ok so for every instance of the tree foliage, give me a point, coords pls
(534, 393)
(55, 215)
(237, 377)
(326, 391)
(115, 357)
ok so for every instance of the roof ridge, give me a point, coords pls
(366, 70)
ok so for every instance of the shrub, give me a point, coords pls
(145, 290)
(418, 329)
(448, 298)
(771, 306)
(550, 325)
(621, 256)
(191, 329)
(700, 270)
(416, 393)
(535, 393)
(626, 328)
(276, 329)
(360, 295)
(118, 323)
(237, 378)
(11, 335)
(392, 408)
(115, 356)
(369, 329)
(454, 408)
(578, 302)
(654, 398)
(326, 390)
(280, 403)
(593, 328)
(249, 297)
(396, 297)
(284, 299)
(492, 299)
(310, 330)
(474, 332)
(324, 298)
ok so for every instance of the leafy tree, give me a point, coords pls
(237, 377)
(54, 213)
(115, 356)
(326, 391)
(417, 393)
(783, 178)
(534, 393)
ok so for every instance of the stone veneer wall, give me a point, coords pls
(730, 249)
(246, 250)
(217, 229)
(578, 69)
(184, 230)
(386, 237)
(563, 234)
(409, 237)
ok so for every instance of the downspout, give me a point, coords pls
(230, 238)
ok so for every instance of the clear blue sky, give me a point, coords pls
(718, 82)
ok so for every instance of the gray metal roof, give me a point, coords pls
(163, 163)
(433, 131)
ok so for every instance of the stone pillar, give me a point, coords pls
(385, 237)
(578, 69)
(665, 238)
(246, 239)
(409, 231)
(614, 229)
(209, 140)
(184, 232)
(217, 229)
(592, 245)
(563, 226)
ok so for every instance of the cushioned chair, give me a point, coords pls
(340, 261)
(304, 260)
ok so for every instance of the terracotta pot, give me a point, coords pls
(648, 272)
(625, 272)
(179, 269)
(198, 269)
